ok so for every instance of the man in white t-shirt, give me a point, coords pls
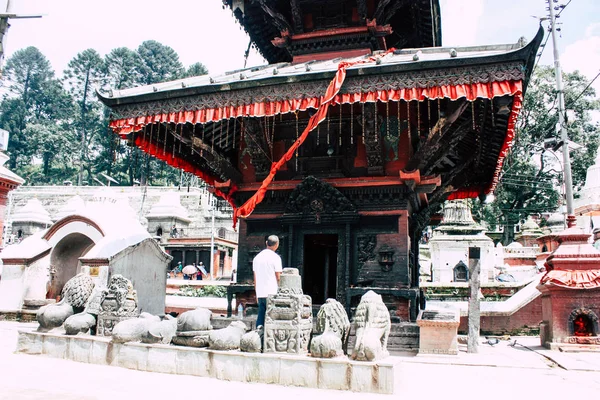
(267, 270)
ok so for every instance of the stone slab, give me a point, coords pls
(282, 369)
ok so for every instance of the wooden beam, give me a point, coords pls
(279, 20)
(297, 16)
(362, 10)
(422, 157)
(392, 10)
(218, 163)
(377, 16)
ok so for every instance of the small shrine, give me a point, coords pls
(32, 218)
(450, 244)
(571, 293)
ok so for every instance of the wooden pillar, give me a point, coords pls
(474, 306)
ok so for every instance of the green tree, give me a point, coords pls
(196, 69)
(123, 67)
(33, 93)
(160, 63)
(532, 175)
(85, 73)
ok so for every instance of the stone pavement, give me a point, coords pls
(497, 372)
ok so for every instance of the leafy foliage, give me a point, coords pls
(203, 291)
(532, 177)
(58, 128)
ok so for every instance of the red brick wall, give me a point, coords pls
(525, 320)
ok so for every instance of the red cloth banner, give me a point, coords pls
(469, 91)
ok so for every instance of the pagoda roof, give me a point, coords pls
(413, 23)
(461, 75)
(400, 61)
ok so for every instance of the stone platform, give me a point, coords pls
(282, 369)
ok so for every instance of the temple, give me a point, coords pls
(359, 127)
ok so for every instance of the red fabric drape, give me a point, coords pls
(176, 162)
(573, 279)
(508, 142)
(469, 91)
(333, 88)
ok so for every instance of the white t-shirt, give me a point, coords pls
(264, 265)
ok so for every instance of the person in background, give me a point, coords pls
(267, 272)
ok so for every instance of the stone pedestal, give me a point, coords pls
(288, 321)
(438, 332)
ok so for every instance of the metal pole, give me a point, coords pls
(212, 238)
(561, 115)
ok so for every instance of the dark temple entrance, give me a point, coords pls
(319, 278)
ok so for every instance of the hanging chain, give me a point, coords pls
(473, 113)
(351, 123)
(387, 118)
(242, 132)
(439, 101)
(492, 111)
(318, 133)
(419, 118)
(214, 132)
(408, 122)
(296, 114)
(233, 139)
(376, 124)
(340, 127)
(429, 115)
(273, 137)
(227, 134)
(363, 123)
(180, 140)
(165, 142)
(328, 121)
(399, 130)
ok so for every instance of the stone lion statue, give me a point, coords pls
(373, 324)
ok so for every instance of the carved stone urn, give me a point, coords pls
(288, 321)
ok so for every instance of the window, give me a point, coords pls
(461, 272)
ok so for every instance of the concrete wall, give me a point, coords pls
(145, 264)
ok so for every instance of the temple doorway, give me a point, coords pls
(319, 278)
(64, 260)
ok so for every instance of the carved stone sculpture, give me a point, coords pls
(251, 342)
(194, 320)
(227, 338)
(53, 315)
(327, 345)
(74, 296)
(119, 303)
(133, 329)
(80, 323)
(372, 320)
(332, 323)
(193, 328)
(161, 332)
(288, 322)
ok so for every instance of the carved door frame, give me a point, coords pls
(343, 249)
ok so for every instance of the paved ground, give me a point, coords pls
(498, 372)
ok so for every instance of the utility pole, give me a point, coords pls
(212, 235)
(564, 137)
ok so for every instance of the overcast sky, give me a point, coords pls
(201, 30)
